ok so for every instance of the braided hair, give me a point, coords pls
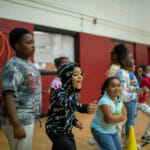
(15, 35)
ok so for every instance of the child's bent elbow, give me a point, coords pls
(108, 120)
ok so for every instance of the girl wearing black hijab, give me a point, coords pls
(61, 116)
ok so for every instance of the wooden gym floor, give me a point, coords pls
(41, 141)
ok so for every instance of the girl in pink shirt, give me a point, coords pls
(145, 82)
(56, 83)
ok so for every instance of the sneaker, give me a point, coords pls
(92, 142)
(145, 138)
(138, 146)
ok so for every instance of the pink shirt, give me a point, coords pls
(56, 83)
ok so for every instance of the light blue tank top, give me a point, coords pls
(98, 122)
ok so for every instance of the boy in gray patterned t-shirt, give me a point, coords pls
(21, 89)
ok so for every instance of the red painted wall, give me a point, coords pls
(94, 56)
(141, 54)
(94, 60)
(46, 82)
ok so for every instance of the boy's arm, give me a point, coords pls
(9, 101)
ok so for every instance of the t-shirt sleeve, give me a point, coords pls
(56, 84)
(127, 93)
(131, 75)
(10, 77)
(103, 101)
(145, 82)
(112, 71)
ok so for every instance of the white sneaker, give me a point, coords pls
(138, 146)
(92, 142)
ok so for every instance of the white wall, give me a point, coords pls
(122, 19)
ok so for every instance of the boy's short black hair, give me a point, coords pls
(15, 35)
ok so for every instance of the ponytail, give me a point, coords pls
(106, 84)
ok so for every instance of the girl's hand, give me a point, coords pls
(139, 93)
(19, 132)
(79, 125)
(92, 107)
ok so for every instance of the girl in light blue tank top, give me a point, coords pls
(110, 111)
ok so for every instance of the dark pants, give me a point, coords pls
(64, 142)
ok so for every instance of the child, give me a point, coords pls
(21, 89)
(109, 112)
(129, 93)
(61, 117)
(139, 72)
(56, 83)
(133, 79)
(111, 72)
(115, 66)
(141, 105)
(131, 106)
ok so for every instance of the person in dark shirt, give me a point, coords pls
(61, 115)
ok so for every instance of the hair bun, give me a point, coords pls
(120, 48)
